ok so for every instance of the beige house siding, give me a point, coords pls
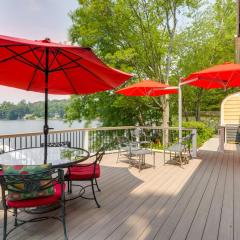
(230, 110)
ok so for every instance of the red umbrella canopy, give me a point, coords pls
(147, 88)
(70, 69)
(225, 76)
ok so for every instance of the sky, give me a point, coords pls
(34, 19)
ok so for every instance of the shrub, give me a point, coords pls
(203, 131)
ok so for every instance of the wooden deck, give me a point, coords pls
(201, 201)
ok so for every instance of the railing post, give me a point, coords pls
(86, 140)
(221, 134)
(194, 143)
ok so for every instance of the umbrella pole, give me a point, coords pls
(46, 128)
(179, 112)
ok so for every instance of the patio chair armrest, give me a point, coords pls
(83, 165)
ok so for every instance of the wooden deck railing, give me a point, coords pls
(90, 138)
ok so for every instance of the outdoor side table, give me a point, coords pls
(141, 154)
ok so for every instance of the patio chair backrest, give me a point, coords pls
(100, 153)
(121, 141)
(139, 134)
(28, 183)
(187, 140)
(10, 181)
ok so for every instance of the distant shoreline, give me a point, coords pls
(23, 126)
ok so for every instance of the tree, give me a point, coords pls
(133, 35)
(209, 40)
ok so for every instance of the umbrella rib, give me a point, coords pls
(54, 58)
(16, 55)
(81, 66)
(230, 79)
(221, 81)
(24, 60)
(65, 64)
(12, 45)
(68, 78)
(38, 59)
(78, 55)
(67, 68)
(34, 73)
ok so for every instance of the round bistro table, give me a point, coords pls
(59, 157)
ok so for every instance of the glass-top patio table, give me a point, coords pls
(59, 157)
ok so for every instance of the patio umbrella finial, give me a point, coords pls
(47, 40)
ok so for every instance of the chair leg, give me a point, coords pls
(70, 187)
(139, 165)
(97, 185)
(5, 225)
(189, 151)
(164, 157)
(118, 156)
(93, 191)
(67, 186)
(63, 220)
(180, 159)
(15, 217)
(154, 163)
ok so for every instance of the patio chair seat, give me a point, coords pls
(35, 202)
(177, 148)
(83, 172)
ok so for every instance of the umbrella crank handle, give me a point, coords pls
(50, 128)
(46, 128)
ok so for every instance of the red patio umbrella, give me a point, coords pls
(44, 66)
(225, 76)
(148, 88)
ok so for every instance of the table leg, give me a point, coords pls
(139, 165)
(154, 160)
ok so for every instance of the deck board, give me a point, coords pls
(226, 223)
(201, 201)
(167, 229)
(197, 226)
(187, 219)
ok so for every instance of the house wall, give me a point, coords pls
(230, 110)
(230, 117)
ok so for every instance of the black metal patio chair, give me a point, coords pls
(179, 152)
(17, 184)
(86, 172)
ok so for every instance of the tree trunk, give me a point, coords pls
(197, 112)
(171, 28)
(165, 104)
(198, 104)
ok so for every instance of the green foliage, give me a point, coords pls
(149, 39)
(203, 131)
(134, 36)
(112, 109)
(12, 111)
(209, 40)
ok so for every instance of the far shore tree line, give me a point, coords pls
(30, 111)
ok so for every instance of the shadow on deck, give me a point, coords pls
(201, 201)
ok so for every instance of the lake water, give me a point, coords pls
(22, 126)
